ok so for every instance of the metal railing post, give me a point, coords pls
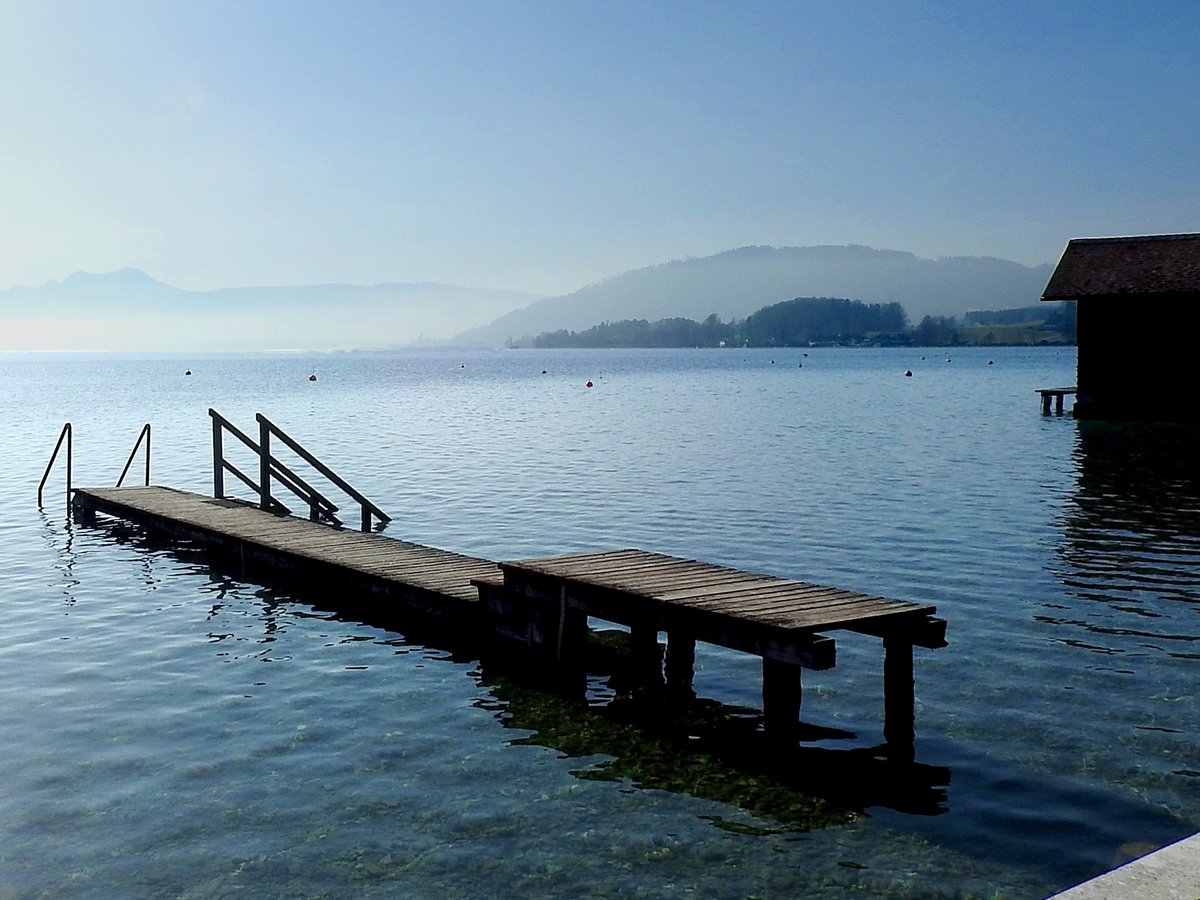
(369, 508)
(218, 459)
(264, 464)
(143, 434)
(64, 434)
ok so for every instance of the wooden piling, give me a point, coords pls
(782, 693)
(681, 660)
(647, 655)
(899, 698)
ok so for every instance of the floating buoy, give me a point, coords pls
(188, 372)
(543, 371)
(800, 365)
(989, 362)
(312, 377)
(908, 373)
(589, 384)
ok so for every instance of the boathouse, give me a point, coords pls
(1134, 344)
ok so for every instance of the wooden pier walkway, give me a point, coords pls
(544, 604)
(435, 582)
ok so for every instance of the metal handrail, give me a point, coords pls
(65, 433)
(267, 428)
(276, 506)
(145, 433)
(321, 508)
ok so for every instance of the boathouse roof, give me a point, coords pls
(1155, 264)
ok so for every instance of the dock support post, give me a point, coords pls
(646, 655)
(570, 637)
(899, 698)
(783, 692)
(569, 648)
(84, 513)
(681, 660)
(1045, 404)
(1058, 404)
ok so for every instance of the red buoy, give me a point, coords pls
(589, 384)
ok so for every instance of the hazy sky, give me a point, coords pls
(540, 146)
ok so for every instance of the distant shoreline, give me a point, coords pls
(827, 322)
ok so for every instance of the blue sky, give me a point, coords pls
(542, 146)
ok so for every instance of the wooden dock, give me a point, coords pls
(544, 604)
(1057, 395)
(547, 602)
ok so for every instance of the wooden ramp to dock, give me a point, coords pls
(436, 582)
(545, 604)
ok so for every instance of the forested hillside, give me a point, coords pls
(792, 323)
(809, 321)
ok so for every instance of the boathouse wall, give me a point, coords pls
(1135, 351)
(1133, 357)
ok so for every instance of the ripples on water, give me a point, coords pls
(173, 730)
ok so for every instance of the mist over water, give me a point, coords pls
(175, 730)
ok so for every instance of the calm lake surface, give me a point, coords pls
(172, 730)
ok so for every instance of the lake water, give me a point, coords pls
(172, 730)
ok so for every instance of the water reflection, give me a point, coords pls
(60, 538)
(706, 749)
(1132, 539)
(673, 742)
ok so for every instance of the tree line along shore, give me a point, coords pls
(829, 321)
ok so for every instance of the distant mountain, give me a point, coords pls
(737, 282)
(129, 310)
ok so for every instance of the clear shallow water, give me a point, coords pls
(173, 731)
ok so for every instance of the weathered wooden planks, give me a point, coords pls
(777, 619)
(672, 585)
(546, 602)
(290, 542)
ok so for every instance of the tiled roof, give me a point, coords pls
(1151, 264)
